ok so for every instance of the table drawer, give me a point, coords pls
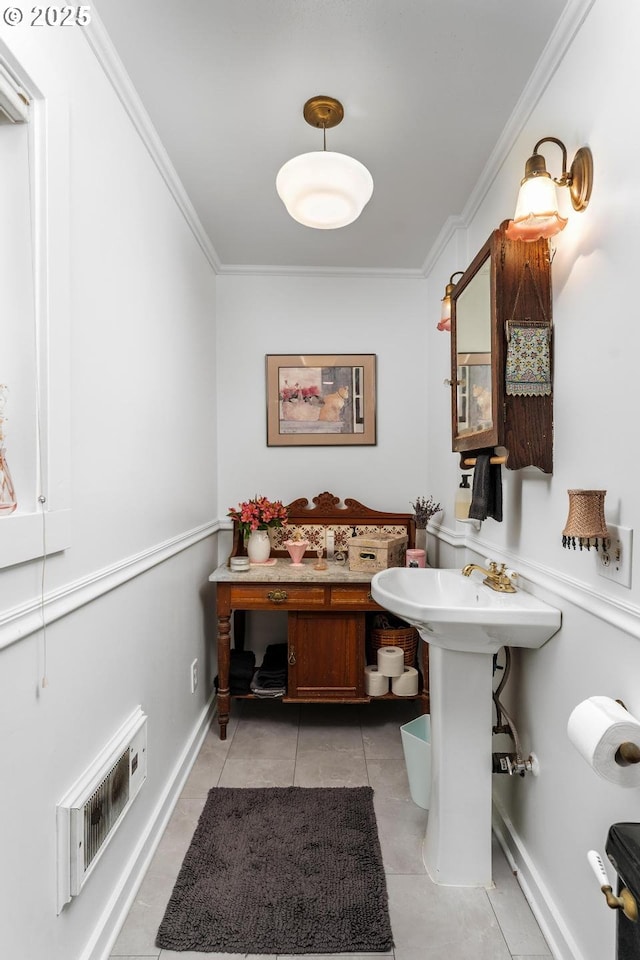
(273, 595)
(344, 595)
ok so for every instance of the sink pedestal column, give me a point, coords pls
(457, 845)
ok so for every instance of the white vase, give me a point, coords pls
(258, 546)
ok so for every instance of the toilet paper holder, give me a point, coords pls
(628, 752)
(625, 902)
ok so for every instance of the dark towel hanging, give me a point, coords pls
(486, 497)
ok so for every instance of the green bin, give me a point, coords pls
(416, 744)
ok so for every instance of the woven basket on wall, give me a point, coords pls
(406, 638)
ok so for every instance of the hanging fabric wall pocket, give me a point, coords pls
(528, 365)
(528, 369)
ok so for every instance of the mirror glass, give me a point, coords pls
(474, 393)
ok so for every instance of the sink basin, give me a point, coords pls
(465, 623)
(461, 613)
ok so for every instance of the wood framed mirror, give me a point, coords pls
(508, 282)
(474, 349)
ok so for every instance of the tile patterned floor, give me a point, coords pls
(275, 744)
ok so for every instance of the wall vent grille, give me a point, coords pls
(104, 806)
(91, 811)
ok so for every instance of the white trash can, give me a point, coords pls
(416, 744)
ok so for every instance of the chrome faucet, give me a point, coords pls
(497, 576)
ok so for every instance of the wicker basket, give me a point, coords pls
(406, 638)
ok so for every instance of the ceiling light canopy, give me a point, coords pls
(324, 190)
(537, 213)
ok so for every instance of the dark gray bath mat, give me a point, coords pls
(281, 870)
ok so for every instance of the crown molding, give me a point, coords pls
(567, 27)
(113, 67)
(572, 18)
(265, 270)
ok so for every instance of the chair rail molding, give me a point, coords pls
(22, 621)
(547, 583)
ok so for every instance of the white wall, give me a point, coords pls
(549, 823)
(262, 315)
(146, 377)
(128, 601)
(294, 315)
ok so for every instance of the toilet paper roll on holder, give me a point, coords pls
(628, 752)
(625, 902)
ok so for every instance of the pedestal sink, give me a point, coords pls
(465, 623)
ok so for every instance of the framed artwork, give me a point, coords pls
(321, 399)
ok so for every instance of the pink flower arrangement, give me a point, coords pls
(258, 514)
(296, 392)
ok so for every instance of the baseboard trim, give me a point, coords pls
(20, 622)
(543, 907)
(115, 913)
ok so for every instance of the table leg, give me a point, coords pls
(224, 659)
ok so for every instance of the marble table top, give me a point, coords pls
(284, 571)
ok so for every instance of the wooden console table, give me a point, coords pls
(326, 610)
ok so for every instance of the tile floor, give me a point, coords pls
(276, 744)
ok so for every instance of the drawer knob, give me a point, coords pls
(277, 596)
(292, 656)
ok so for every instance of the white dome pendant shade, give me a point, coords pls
(324, 190)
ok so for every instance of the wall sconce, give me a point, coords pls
(585, 523)
(537, 213)
(322, 189)
(445, 312)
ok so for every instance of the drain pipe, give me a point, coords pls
(510, 763)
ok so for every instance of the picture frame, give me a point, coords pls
(321, 399)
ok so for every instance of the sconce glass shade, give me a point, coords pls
(445, 310)
(537, 215)
(586, 525)
(537, 212)
(445, 314)
(324, 190)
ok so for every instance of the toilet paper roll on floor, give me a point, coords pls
(407, 684)
(597, 727)
(391, 661)
(375, 683)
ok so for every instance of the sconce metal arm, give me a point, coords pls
(564, 178)
(578, 178)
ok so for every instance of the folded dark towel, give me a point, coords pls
(267, 679)
(275, 656)
(276, 687)
(270, 683)
(241, 669)
(486, 497)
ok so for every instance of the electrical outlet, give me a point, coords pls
(194, 676)
(614, 563)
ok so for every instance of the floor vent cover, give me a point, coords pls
(91, 811)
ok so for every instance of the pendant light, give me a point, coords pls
(324, 190)
(537, 211)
